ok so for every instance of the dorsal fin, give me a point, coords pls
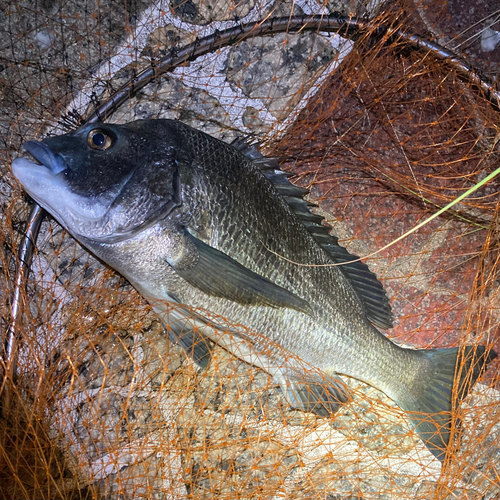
(369, 289)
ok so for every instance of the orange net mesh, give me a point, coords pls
(102, 405)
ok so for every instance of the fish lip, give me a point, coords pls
(42, 153)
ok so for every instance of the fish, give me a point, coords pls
(191, 220)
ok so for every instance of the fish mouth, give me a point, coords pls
(40, 177)
(42, 153)
(52, 191)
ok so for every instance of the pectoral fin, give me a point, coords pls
(217, 274)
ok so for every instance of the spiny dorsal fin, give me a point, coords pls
(366, 284)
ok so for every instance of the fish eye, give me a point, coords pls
(99, 139)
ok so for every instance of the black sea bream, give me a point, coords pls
(190, 219)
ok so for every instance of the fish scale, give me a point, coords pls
(191, 220)
(296, 243)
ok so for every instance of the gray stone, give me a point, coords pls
(206, 11)
(278, 70)
(357, 8)
(171, 98)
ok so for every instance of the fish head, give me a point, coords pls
(104, 182)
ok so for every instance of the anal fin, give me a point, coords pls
(322, 395)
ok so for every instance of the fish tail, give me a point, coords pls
(430, 404)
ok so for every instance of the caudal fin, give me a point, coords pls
(430, 404)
